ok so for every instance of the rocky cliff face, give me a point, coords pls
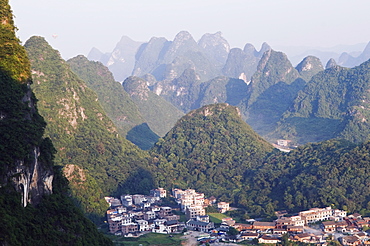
(25, 157)
(31, 178)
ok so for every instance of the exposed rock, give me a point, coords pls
(216, 47)
(31, 179)
(309, 66)
(331, 63)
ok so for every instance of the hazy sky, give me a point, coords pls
(83, 24)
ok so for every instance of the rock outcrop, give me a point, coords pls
(25, 157)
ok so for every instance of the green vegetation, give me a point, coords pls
(55, 221)
(309, 67)
(21, 127)
(333, 105)
(271, 92)
(115, 101)
(216, 217)
(238, 215)
(160, 115)
(13, 57)
(212, 150)
(49, 219)
(150, 239)
(83, 135)
(274, 67)
(315, 175)
(209, 149)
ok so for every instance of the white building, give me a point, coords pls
(137, 199)
(193, 211)
(159, 192)
(223, 207)
(126, 200)
(143, 225)
(187, 198)
(320, 214)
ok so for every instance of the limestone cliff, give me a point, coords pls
(25, 157)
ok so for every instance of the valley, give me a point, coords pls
(201, 119)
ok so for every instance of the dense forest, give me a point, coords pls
(210, 150)
(116, 102)
(55, 221)
(98, 160)
(32, 210)
(331, 173)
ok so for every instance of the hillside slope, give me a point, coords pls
(209, 149)
(80, 130)
(35, 207)
(334, 104)
(115, 101)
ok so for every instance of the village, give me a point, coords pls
(135, 215)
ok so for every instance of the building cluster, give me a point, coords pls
(353, 225)
(134, 214)
(193, 205)
(331, 221)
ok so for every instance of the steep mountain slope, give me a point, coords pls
(115, 101)
(209, 149)
(160, 115)
(215, 47)
(271, 91)
(149, 57)
(331, 63)
(221, 90)
(167, 60)
(181, 92)
(81, 132)
(242, 64)
(333, 104)
(35, 208)
(26, 165)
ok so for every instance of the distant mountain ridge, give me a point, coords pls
(190, 74)
(121, 60)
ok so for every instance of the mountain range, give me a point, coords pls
(263, 84)
(201, 114)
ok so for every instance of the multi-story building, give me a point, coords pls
(165, 211)
(126, 200)
(193, 211)
(130, 228)
(149, 215)
(187, 198)
(159, 192)
(138, 198)
(223, 207)
(320, 214)
(199, 225)
(143, 225)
